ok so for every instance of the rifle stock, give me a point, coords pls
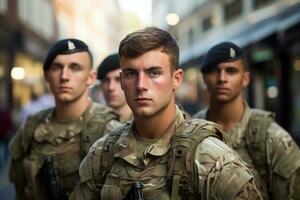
(135, 192)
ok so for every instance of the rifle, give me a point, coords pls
(135, 192)
(54, 189)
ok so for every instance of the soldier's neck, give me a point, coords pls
(70, 111)
(124, 113)
(155, 126)
(227, 115)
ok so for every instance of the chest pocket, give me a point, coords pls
(32, 166)
(67, 169)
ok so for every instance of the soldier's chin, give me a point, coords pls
(65, 98)
(222, 99)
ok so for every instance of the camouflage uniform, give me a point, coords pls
(213, 170)
(274, 161)
(66, 142)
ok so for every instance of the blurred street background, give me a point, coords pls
(269, 31)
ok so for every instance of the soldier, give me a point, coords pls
(268, 150)
(171, 157)
(47, 150)
(109, 75)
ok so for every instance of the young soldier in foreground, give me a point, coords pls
(109, 75)
(169, 156)
(268, 150)
(47, 150)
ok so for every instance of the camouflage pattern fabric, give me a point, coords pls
(66, 142)
(281, 161)
(217, 172)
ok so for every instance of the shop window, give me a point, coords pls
(260, 3)
(233, 10)
(207, 24)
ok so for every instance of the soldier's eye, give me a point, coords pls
(75, 68)
(55, 67)
(154, 73)
(129, 74)
(231, 70)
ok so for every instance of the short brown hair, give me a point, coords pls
(147, 39)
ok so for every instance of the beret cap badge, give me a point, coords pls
(71, 45)
(232, 53)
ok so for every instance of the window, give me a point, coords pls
(207, 24)
(260, 3)
(233, 10)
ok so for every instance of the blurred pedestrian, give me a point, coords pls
(6, 129)
(37, 103)
(109, 76)
(268, 149)
(170, 157)
(47, 150)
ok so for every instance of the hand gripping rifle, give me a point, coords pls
(135, 192)
(54, 189)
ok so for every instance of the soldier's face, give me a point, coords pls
(149, 83)
(69, 76)
(226, 82)
(112, 91)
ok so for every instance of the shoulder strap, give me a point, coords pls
(182, 152)
(94, 126)
(256, 135)
(107, 155)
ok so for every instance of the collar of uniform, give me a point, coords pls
(160, 147)
(127, 141)
(47, 130)
(126, 145)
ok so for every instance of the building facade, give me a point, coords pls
(27, 28)
(269, 31)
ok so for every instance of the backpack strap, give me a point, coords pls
(107, 155)
(182, 153)
(256, 136)
(94, 126)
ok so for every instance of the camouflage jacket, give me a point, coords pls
(67, 143)
(214, 170)
(277, 171)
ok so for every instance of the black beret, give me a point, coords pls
(110, 63)
(222, 52)
(65, 46)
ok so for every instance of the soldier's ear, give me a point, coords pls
(177, 78)
(246, 78)
(46, 76)
(92, 77)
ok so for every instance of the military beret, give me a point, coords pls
(222, 52)
(110, 63)
(65, 46)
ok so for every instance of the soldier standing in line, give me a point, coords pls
(109, 75)
(168, 156)
(47, 150)
(268, 150)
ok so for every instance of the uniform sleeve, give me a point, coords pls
(220, 174)
(16, 170)
(284, 158)
(89, 171)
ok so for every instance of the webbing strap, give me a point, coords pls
(175, 187)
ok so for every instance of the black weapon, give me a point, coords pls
(135, 192)
(54, 189)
